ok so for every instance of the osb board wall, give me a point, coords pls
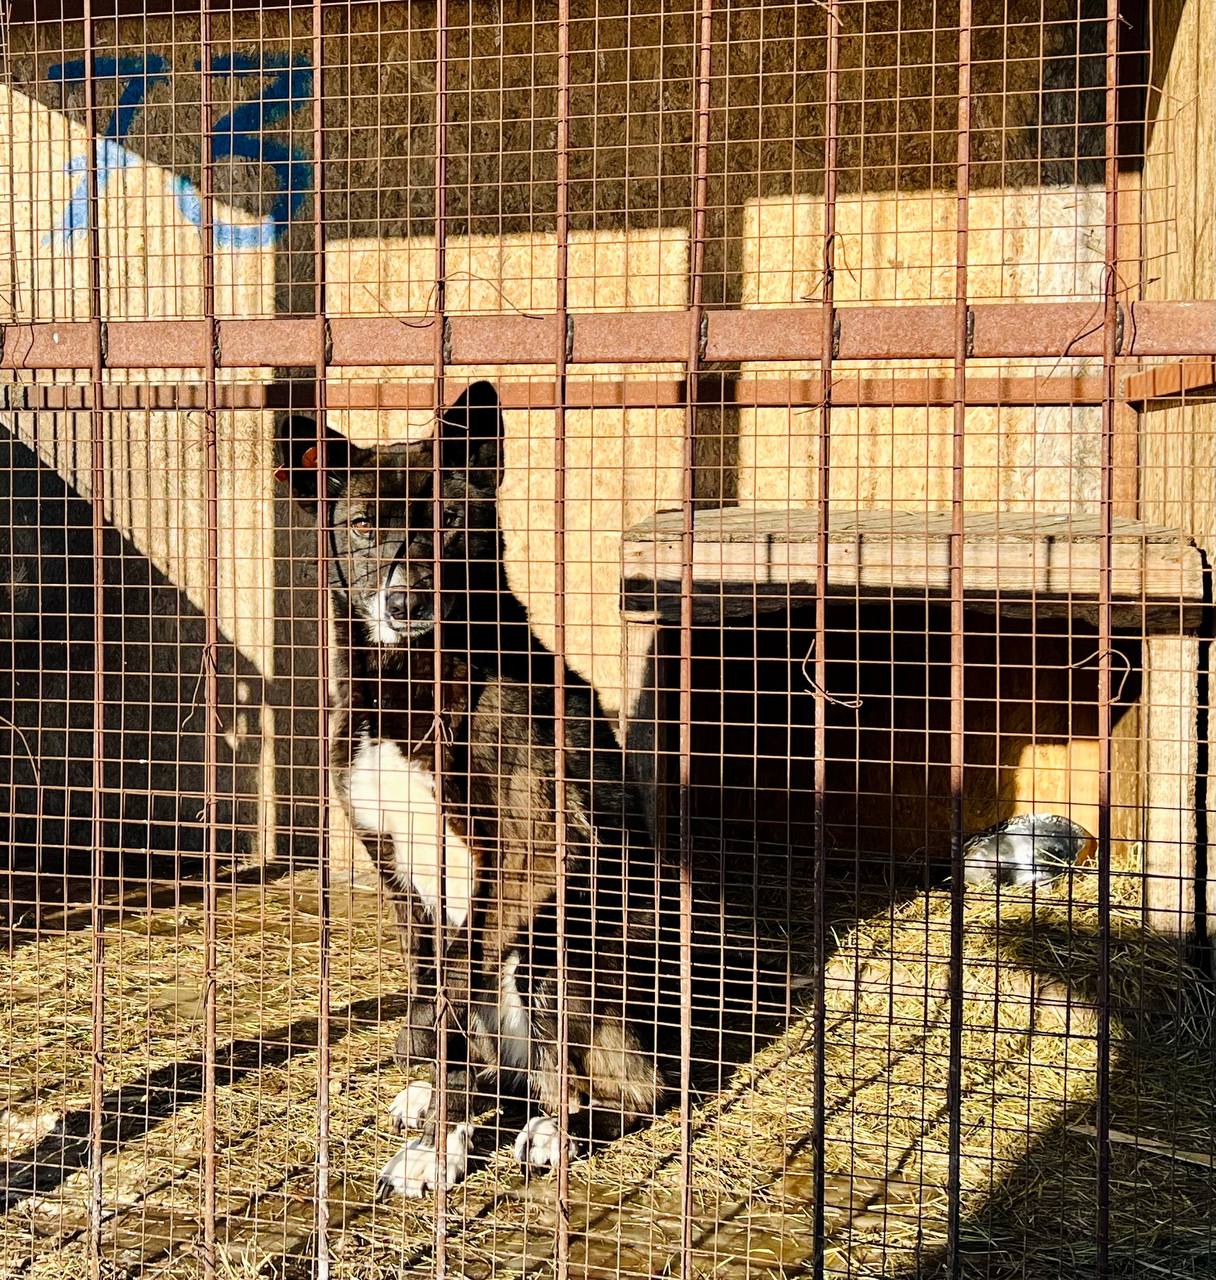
(1178, 439)
(155, 476)
(632, 98)
(1028, 244)
(1037, 231)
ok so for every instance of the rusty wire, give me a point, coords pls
(956, 614)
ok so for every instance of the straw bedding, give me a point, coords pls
(1027, 1164)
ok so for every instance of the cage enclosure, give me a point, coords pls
(822, 398)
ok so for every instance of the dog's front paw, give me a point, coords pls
(414, 1170)
(409, 1108)
(537, 1144)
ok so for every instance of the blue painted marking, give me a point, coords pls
(225, 235)
(139, 73)
(238, 134)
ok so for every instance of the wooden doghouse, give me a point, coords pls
(1028, 568)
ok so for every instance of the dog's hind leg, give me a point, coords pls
(611, 1112)
(625, 1083)
(613, 1081)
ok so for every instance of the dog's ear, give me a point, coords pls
(470, 435)
(296, 459)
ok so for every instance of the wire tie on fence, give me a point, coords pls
(428, 309)
(1097, 656)
(17, 731)
(852, 704)
(207, 665)
(440, 731)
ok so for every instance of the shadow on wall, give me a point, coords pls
(154, 715)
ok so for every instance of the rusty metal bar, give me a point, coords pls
(1165, 329)
(319, 342)
(438, 361)
(97, 508)
(823, 496)
(693, 339)
(906, 333)
(274, 342)
(623, 339)
(743, 335)
(558, 339)
(1111, 344)
(954, 1097)
(1133, 100)
(166, 344)
(870, 389)
(505, 339)
(1035, 330)
(211, 607)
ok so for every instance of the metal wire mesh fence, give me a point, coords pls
(605, 629)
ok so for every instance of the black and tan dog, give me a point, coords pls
(495, 742)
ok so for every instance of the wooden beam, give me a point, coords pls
(744, 559)
(1172, 381)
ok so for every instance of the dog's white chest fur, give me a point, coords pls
(395, 796)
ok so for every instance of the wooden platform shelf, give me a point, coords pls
(1042, 566)
(743, 560)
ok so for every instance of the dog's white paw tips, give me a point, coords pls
(414, 1170)
(537, 1144)
(409, 1108)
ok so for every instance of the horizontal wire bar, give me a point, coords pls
(1041, 330)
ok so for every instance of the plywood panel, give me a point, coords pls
(1178, 438)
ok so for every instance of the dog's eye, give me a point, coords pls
(363, 525)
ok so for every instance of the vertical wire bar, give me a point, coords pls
(696, 281)
(211, 647)
(562, 1258)
(323, 886)
(823, 514)
(954, 1090)
(1110, 351)
(440, 379)
(97, 465)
